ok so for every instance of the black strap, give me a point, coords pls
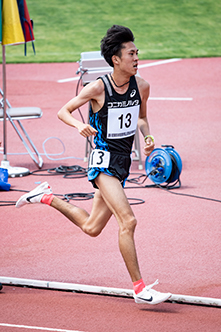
(108, 86)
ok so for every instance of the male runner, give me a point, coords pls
(118, 105)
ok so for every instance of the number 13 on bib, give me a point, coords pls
(122, 122)
(99, 158)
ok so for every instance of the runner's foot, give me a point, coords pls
(151, 296)
(35, 195)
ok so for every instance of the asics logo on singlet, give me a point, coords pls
(133, 92)
(118, 104)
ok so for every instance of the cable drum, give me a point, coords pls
(164, 165)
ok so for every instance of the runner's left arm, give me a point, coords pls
(143, 123)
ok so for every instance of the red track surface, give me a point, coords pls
(177, 238)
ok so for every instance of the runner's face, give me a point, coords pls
(129, 58)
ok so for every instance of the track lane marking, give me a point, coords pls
(37, 328)
(171, 98)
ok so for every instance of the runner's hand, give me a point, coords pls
(149, 146)
(86, 130)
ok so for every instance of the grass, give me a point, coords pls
(162, 28)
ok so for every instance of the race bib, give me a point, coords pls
(122, 122)
(99, 158)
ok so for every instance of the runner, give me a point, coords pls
(118, 105)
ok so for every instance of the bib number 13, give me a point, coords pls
(99, 158)
(126, 121)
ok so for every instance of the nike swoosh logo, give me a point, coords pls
(30, 197)
(148, 300)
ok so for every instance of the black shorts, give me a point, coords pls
(119, 166)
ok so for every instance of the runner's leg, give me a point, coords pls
(115, 198)
(91, 224)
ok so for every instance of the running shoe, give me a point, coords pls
(151, 296)
(35, 195)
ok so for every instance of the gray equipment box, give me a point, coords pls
(93, 65)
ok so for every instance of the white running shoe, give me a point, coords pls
(35, 195)
(150, 296)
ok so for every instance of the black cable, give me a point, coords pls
(7, 203)
(20, 190)
(76, 93)
(43, 170)
(137, 179)
(81, 115)
(137, 201)
(67, 197)
(72, 196)
(71, 172)
(78, 196)
(165, 188)
(189, 195)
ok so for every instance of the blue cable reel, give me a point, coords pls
(164, 166)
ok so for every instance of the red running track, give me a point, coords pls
(177, 238)
(91, 313)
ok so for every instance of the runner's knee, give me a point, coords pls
(128, 226)
(91, 231)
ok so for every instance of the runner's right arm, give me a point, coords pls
(87, 93)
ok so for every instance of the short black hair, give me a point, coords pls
(111, 44)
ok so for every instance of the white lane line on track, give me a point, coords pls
(157, 63)
(171, 98)
(37, 328)
(68, 79)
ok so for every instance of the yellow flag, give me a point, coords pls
(11, 25)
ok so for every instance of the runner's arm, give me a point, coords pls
(143, 123)
(87, 93)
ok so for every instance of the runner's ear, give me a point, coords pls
(115, 59)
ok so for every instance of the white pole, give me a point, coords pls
(12, 171)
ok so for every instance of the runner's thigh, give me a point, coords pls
(114, 196)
